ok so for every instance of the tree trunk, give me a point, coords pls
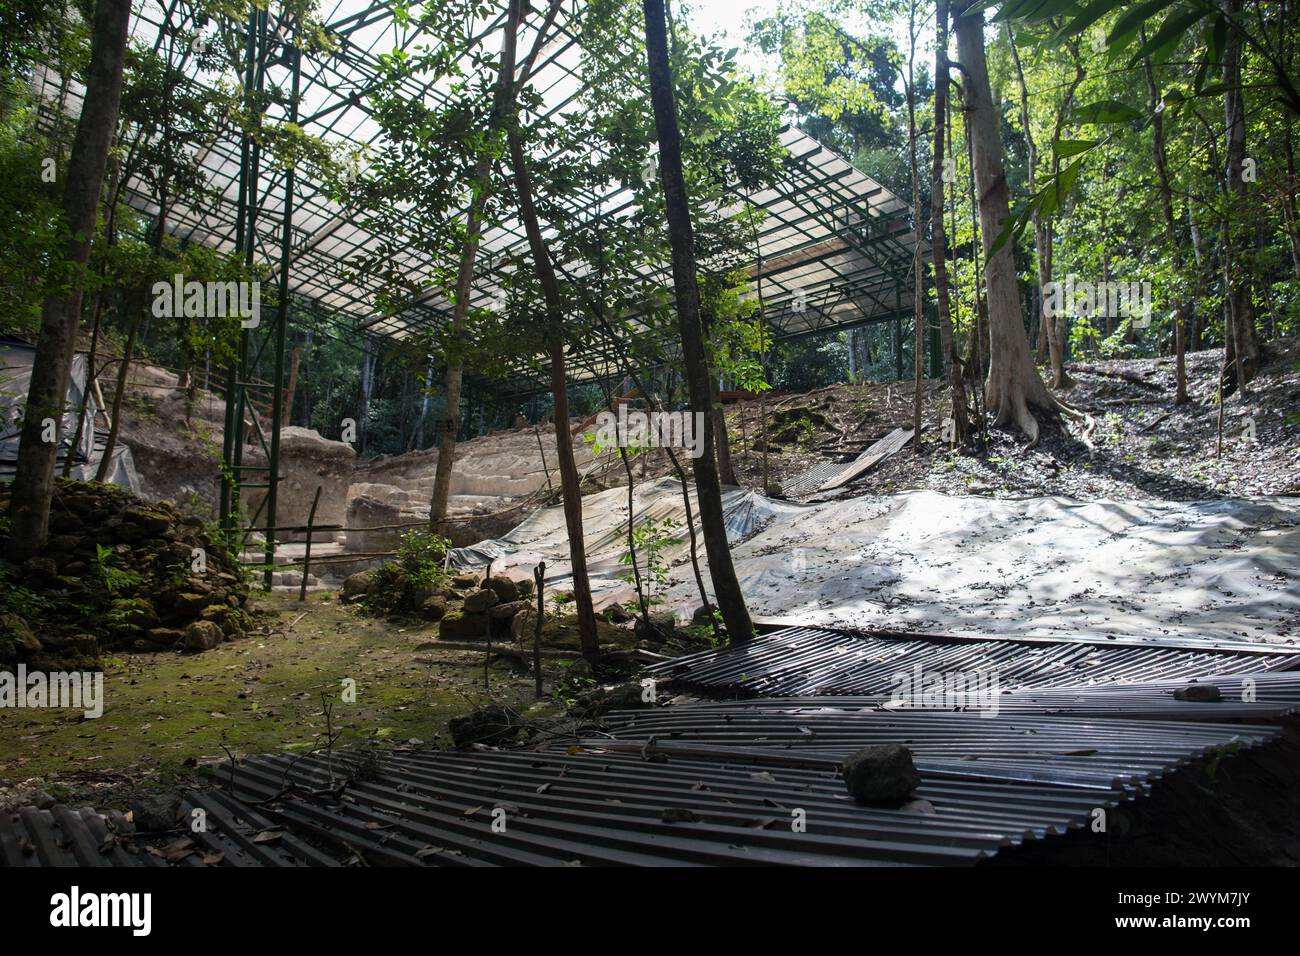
(295, 359)
(88, 390)
(569, 479)
(504, 96)
(1049, 328)
(1241, 341)
(726, 587)
(417, 439)
(1171, 228)
(918, 262)
(726, 473)
(1288, 198)
(938, 236)
(123, 372)
(97, 308)
(1013, 386)
(33, 484)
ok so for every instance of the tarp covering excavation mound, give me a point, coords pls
(927, 562)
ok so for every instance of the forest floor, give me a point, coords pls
(1144, 446)
(169, 717)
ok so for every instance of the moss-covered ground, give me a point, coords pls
(169, 715)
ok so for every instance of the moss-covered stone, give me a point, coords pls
(115, 569)
(459, 624)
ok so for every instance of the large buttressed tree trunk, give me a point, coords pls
(1050, 336)
(501, 108)
(569, 479)
(726, 588)
(33, 485)
(1013, 386)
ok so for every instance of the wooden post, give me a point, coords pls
(539, 579)
(306, 558)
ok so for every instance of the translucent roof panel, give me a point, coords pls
(835, 245)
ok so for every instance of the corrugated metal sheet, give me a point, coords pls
(1254, 696)
(232, 834)
(698, 794)
(799, 661)
(751, 780)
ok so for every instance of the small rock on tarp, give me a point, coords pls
(1199, 692)
(679, 815)
(155, 812)
(881, 774)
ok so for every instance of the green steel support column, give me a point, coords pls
(281, 330)
(250, 253)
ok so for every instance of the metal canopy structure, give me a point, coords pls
(833, 250)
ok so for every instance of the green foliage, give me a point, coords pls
(31, 232)
(573, 683)
(421, 555)
(418, 569)
(26, 604)
(650, 538)
(113, 578)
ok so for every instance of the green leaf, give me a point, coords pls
(1013, 226)
(1127, 26)
(1051, 9)
(1065, 148)
(1032, 10)
(1085, 19)
(1175, 25)
(1104, 112)
(1064, 184)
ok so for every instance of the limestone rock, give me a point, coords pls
(506, 590)
(188, 604)
(153, 523)
(507, 612)
(202, 636)
(164, 637)
(366, 512)
(458, 624)
(478, 601)
(154, 813)
(40, 570)
(433, 608)
(357, 586)
(524, 625)
(882, 774)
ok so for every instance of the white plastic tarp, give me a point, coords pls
(15, 379)
(923, 561)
